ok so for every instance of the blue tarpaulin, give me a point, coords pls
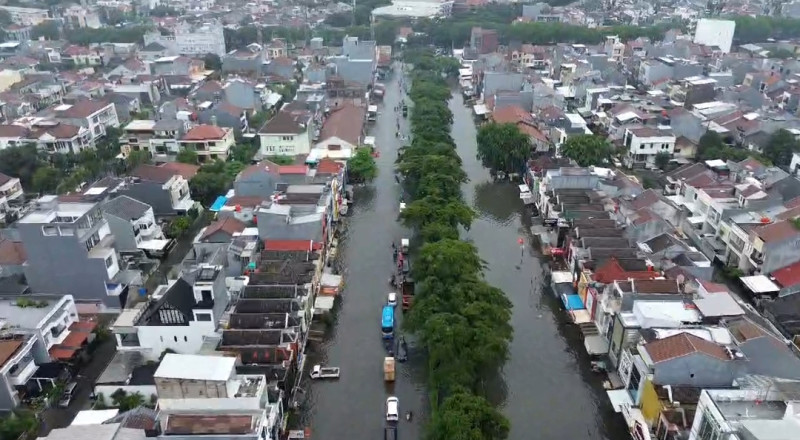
(218, 204)
(572, 302)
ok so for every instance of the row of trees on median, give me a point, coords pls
(461, 321)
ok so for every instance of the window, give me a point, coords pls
(49, 230)
(287, 138)
(203, 316)
(109, 261)
(176, 338)
(709, 429)
(185, 339)
(641, 146)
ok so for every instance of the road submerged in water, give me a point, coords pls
(547, 389)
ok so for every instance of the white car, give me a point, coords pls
(391, 299)
(392, 411)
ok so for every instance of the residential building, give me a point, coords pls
(342, 132)
(34, 329)
(177, 316)
(483, 40)
(204, 396)
(96, 116)
(249, 60)
(105, 431)
(59, 137)
(643, 144)
(26, 16)
(10, 192)
(516, 115)
(288, 133)
(70, 251)
(163, 188)
(159, 138)
(209, 142)
(189, 40)
(772, 246)
(81, 17)
(134, 226)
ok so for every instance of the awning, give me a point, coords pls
(595, 344)
(572, 302)
(619, 398)
(83, 326)
(369, 140)
(480, 109)
(581, 316)
(75, 339)
(218, 204)
(760, 284)
(61, 354)
(324, 303)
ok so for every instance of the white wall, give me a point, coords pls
(715, 33)
(278, 144)
(183, 339)
(335, 141)
(652, 145)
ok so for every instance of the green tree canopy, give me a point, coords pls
(503, 147)
(465, 416)
(361, 167)
(47, 29)
(212, 61)
(187, 155)
(587, 150)
(780, 147)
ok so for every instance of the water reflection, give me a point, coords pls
(492, 201)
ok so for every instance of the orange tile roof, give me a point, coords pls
(683, 344)
(204, 132)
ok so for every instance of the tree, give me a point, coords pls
(587, 150)
(465, 416)
(47, 29)
(22, 162)
(207, 186)
(127, 401)
(178, 226)
(361, 167)
(281, 160)
(212, 61)
(448, 261)
(46, 179)
(243, 152)
(187, 155)
(503, 147)
(136, 158)
(780, 147)
(16, 423)
(662, 160)
(435, 210)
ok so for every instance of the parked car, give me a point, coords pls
(392, 411)
(66, 399)
(391, 299)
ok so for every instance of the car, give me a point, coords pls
(66, 399)
(392, 411)
(391, 299)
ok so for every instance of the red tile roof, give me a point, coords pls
(12, 131)
(82, 109)
(7, 350)
(203, 133)
(788, 276)
(645, 199)
(328, 166)
(12, 253)
(713, 287)
(288, 245)
(228, 224)
(293, 169)
(153, 173)
(246, 201)
(776, 231)
(346, 123)
(184, 169)
(612, 271)
(683, 344)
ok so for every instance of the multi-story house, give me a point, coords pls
(70, 251)
(288, 133)
(81, 17)
(209, 142)
(204, 396)
(35, 329)
(93, 115)
(161, 187)
(189, 40)
(12, 135)
(26, 16)
(10, 192)
(134, 226)
(644, 143)
(177, 316)
(772, 246)
(159, 138)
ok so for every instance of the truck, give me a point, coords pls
(388, 369)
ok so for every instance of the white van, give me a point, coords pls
(391, 299)
(392, 412)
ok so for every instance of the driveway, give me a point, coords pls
(53, 418)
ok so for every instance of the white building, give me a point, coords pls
(10, 191)
(188, 40)
(33, 326)
(134, 226)
(177, 316)
(200, 396)
(96, 116)
(414, 9)
(210, 142)
(644, 143)
(771, 413)
(286, 134)
(718, 33)
(81, 17)
(26, 16)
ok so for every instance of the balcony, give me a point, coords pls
(22, 372)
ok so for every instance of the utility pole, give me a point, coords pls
(353, 21)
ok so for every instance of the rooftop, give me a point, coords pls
(50, 210)
(27, 316)
(126, 208)
(195, 367)
(683, 344)
(210, 424)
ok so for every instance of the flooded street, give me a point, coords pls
(353, 406)
(548, 391)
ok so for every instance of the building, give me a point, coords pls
(203, 397)
(96, 116)
(717, 33)
(134, 226)
(178, 316)
(70, 251)
(189, 40)
(34, 329)
(209, 142)
(288, 133)
(483, 40)
(163, 188)
(81, 17)
(413, 9)
(26, 16)
(10, 192)
(645, 143)
(159, 138)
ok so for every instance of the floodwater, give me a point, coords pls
(353, 407)
(546, 388)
